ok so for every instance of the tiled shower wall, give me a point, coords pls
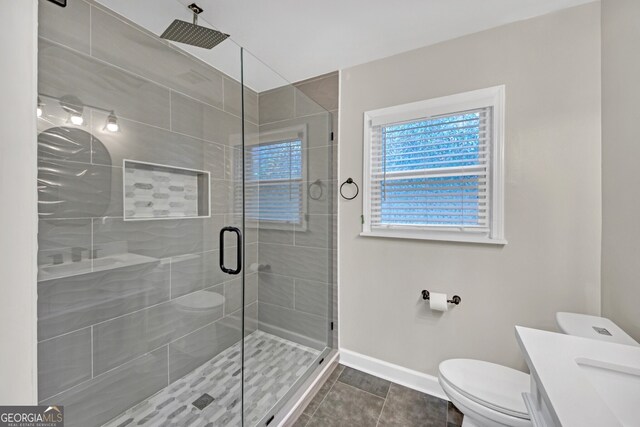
(297, 294)
(125, 308)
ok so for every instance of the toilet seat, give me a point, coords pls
(493, 391)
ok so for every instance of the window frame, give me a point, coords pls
(493, 97)
(275, 136)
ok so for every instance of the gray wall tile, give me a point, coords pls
(251, 288)
(317, 233)
(137, 141)
(213, 275)
(318, 128)
(68, 26)
(251, 318)
(222, 197)
(297, 326)
(191, 351)
(283, 235)
(276, 104)
(58, 236)
(187, 274)
(298, 262)
(194, 272)
(233, 292)
(233, 100)
(75, 302)
(276, 289)
(120, 340)
(326, 203)
(119, 43)
(319, 163)
(63, 362)
(312, 297)
(199, 120)
(306, 106)
(232, 295)
(322, 90)
(97, 401)
(157, 239)
(65, 72)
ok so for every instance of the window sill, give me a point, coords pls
(437, 236)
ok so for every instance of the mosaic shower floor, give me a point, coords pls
(272, 366)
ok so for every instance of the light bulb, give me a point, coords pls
(112, 123)
(113, 127)
(77, 119)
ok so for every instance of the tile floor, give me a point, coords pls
(272, 366)
(352, 398)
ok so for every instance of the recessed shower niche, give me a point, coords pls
(153, 191)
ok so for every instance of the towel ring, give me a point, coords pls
(319, 184)
(349, 181)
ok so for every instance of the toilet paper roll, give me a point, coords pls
(438, 302)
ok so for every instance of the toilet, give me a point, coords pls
(490, 395)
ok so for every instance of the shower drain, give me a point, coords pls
(203, 401)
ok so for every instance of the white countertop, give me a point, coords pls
(574, 401)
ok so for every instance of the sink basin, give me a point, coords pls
(68, 268)
(88, 266)
(617, 385)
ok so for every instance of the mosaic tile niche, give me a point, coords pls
(158, 191)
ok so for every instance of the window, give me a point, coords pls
(434, 169)
(275, 191)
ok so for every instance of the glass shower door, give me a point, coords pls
(137, 322)
(288, 212)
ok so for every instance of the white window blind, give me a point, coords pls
(432, 172)
(273, 182)
(434, 169)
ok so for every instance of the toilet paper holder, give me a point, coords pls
(454, 300)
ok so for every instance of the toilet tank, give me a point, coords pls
(599, 328)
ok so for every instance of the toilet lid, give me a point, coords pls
(495, 386)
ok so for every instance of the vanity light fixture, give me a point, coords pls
(74, 107)
(39, 109)
(112, 123)
(76, 119)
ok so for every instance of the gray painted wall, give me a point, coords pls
(112, 334)
(18, 218)
(620, 153)
(551, 68)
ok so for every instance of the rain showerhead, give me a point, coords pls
(193, 34)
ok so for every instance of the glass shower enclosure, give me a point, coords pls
(185, 224)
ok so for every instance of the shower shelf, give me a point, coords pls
(153, 192)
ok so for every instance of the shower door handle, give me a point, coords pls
(239, 249)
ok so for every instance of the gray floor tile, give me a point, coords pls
(333, 422)
(312, 407)
(364, 381)
(347, 405)
(454, 416)
(405, 407)
(302, 421)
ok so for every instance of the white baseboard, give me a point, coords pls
(407, 377)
